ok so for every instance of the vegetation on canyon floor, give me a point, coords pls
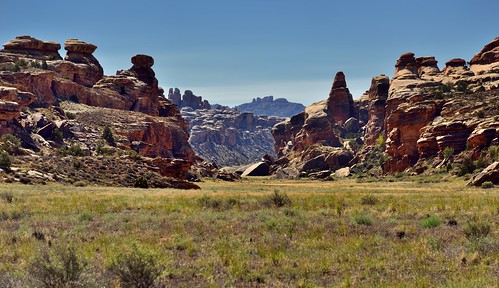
(402, 231)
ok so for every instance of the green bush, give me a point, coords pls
(7, 197)
(476, 230)
(487, 185)
(368, 200)
(431, 222)
(73, 150)
(362, 219)
(448, 152)
(60, 268)
(466, 167)
(137, 267)
(5, 161)
(380, 142)
(107, 134)
(141, 182)
(45, 65)
(10, 144)
(70, 115)
(277, 199)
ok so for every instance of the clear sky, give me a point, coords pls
(231, 51)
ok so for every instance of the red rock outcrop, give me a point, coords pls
(33, 47)
(9, 110)
(488, 55)
(377, 95)
(80, 66)
(340, 104)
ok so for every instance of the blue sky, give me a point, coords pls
(232, 51)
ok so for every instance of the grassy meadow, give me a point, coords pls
(408, 232)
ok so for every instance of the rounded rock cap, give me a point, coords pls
(456, 62)
(142, 61)
(75, 45)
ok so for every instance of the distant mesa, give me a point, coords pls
(271, 107)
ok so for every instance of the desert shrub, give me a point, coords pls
(45, 66)
(5, 161)
(368, 200)
(107, 134)
(431, 222)
(137, 267)
(102, 149)
(73, 150)
(10, 144)
(16, 68)
(77, 164)
(466, 167)
(86, 216)
(380, 142)
(60, 268)
(141, 182)
(80, 184)
(476, 230)
(487, 185)
(481, 163)
(277, 199)
(70, 115)
(207, 202)
(448, 152)
(7, 197)
(57, 135)
(21, 63)
(462, 86)
(494, 152)
(362, 219)
(35, 64)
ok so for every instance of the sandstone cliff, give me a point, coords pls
(37, 87)
(228, 137)
(407, 123)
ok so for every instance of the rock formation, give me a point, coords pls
(271, 107)
(35, 76)
(187, 100)
(229, 137)
(32, 47)
(340, 104)
(406, 122)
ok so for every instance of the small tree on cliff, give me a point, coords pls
(107, 134)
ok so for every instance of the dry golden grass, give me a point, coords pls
(340, 233)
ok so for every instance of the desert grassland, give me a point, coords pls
(259, 232)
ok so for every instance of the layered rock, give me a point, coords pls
(187, 100)
(32, 47)
(80, 66)
(377, 96)
(41, 79)
(340, 104)
(229, 137)
(271, 107)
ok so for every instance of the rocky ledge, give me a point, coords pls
(53, 105)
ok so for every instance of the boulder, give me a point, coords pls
(491, 173)
(480, 138)
(257, 169)
(342, 172)
(315, 164)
